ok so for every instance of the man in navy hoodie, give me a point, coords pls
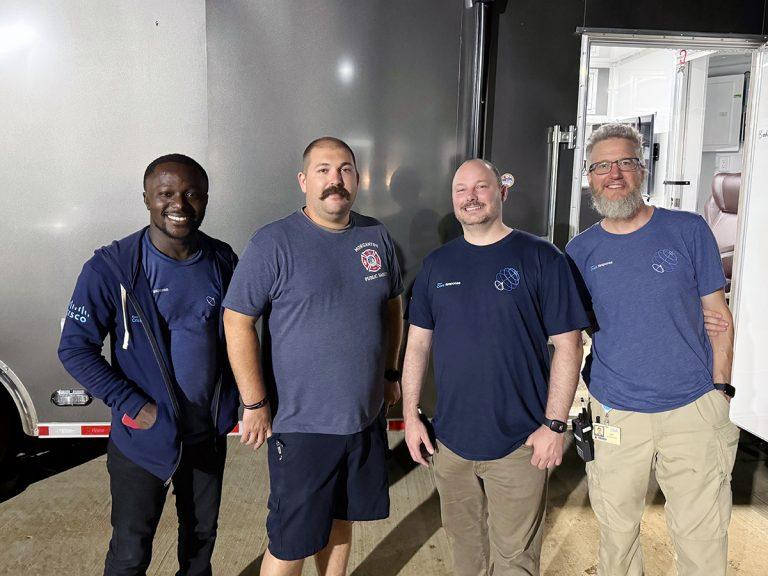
(157, 294)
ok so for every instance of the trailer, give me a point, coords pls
(94, 91)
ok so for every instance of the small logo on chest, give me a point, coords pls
(371, 260)
(665, 260)
(601, 265)
(507, 279)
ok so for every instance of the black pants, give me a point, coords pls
(138, 498)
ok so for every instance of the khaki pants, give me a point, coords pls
(692, 449)
(492, 511)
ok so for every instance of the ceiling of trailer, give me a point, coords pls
(607, 55)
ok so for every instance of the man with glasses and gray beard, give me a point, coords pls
(659, 385)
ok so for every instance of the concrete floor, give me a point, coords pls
(60, 524)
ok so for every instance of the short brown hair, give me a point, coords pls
(327, 141)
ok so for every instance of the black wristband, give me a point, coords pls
(555, 425)
(391, 375)
(726, 389)
(257, 405)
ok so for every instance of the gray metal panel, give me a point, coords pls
(101, 88)
(382, 75)
(92, 91)
(536, 86)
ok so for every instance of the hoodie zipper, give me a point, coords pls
(217, 390)
(216, 397)
(163, 370)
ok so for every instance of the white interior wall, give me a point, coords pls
(642, 84)
(713, 162)
(690, 151)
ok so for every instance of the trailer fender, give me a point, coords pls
(21, 398)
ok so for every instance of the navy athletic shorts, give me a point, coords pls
(316, 478)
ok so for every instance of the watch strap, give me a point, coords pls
(726, 388)
(555, 425)
(392, 375)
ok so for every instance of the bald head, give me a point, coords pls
(480, 163)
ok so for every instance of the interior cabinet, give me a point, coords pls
(723, 113)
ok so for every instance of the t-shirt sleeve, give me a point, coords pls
(419, 311)
(581, 286)
(253, 283)
(395, 276)
(706, 259)
(561, 303)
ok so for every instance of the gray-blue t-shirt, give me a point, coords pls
(650, 351)
(323, 298)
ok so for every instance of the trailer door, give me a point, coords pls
(749, 296)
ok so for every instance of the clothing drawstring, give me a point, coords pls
(126, 335)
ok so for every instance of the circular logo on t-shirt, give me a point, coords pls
(665, 259)
(371, 260)
(507, 279)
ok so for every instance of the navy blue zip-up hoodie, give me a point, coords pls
(112, 296)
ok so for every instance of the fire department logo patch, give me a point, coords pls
(371, 260)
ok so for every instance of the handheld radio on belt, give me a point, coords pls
(582, 434)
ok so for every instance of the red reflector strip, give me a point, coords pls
(68, 430)
(102, 430)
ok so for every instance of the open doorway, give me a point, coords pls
(702, 106)
(690, 107)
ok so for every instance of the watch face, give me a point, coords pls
(726, 389)
(557, 425)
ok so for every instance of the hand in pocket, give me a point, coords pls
(144, 420)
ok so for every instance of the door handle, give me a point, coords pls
(557, 137)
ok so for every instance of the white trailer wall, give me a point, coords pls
(91, 93)
(749, 409)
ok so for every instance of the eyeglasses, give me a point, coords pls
(624, 164)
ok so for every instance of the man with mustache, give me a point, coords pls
(326, 283)
(489, 301)
(157, 294)
(659, 386)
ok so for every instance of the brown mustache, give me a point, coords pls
(339, 189)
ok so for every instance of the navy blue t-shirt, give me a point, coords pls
(323, 296)
(188, 296)
(492, 309)
(650, 351)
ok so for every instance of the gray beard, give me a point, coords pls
(618, 209)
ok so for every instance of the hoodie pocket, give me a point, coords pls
(131, 424)
(161, 437)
